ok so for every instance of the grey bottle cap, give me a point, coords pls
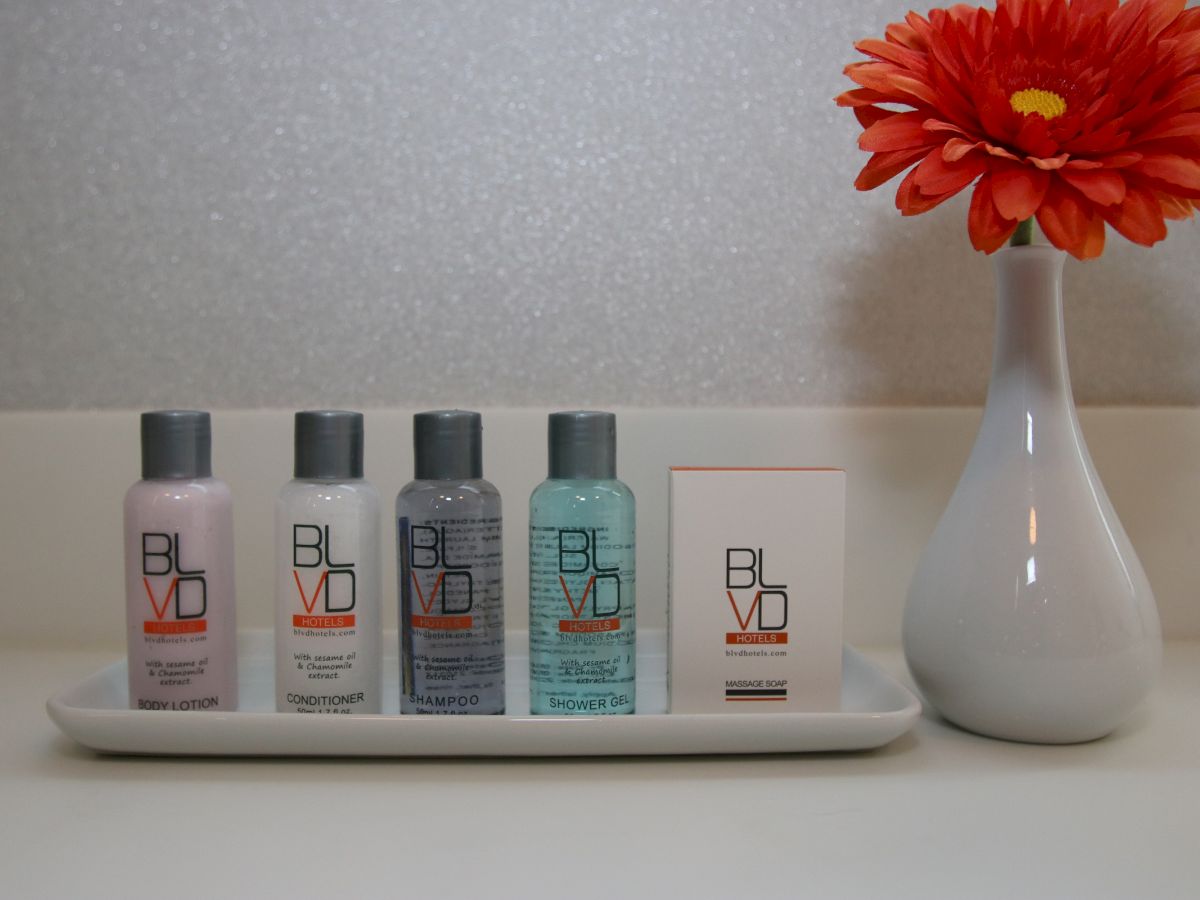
(176, 443)
(329, 444)
(583, 444)
(448, 445)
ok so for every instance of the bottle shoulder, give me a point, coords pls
(323, 499)
(579, 492)
(442, 496)
(480, 486)
(161, 491)
(599, 489)
(355, 490)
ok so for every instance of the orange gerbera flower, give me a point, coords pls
(1079, 112)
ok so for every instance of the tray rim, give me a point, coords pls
(239, 734)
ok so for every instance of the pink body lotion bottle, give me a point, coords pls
(179, 595)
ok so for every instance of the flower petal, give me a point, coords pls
(915, 87)
(900, 131)
(1051, 163)
(1093, 238)
(888, 79)
(1176, 207)
(942, 127)
(994, 150)
(890, 51)
(1120, 160)
(1093, 244)
(861, 97)
(1095, 8)
(934, 176)
(1018, 191)
(956, 148)
(1102, 186)
(911, 202)
(987, 228)
(1033, 137)
(1139, 217)
(996, 115)
(1153, 15)
(1065, 219)
(1182, 125)
(869, 115)
(884, 167)
(1176, 170)
(904, 35)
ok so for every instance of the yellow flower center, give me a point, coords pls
(1047, 104)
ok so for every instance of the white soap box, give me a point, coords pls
(756, 577)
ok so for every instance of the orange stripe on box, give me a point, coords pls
(322, 621)
(756, 637)
(443, 623)
(586, 626)
(187, 626)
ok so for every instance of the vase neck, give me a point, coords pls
(1030, 350)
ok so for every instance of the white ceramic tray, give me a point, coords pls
(875, 710)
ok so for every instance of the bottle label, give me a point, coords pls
(451, 615)
(321, 667)
(581, 628)
(174, 661)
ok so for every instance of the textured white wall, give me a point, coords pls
(509, 202)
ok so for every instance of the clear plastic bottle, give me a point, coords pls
(451, 578)
(179, 591)
(582, 604)
(327, 576)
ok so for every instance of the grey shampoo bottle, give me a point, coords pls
(451, 579)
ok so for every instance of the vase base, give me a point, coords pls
(1048, 701)
(1031, 736)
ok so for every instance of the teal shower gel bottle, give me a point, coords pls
(582, 632)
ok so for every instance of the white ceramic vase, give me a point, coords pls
(1029, 617)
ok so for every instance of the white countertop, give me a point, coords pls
(938, 813)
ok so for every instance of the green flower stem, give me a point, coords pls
(1023, 236)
